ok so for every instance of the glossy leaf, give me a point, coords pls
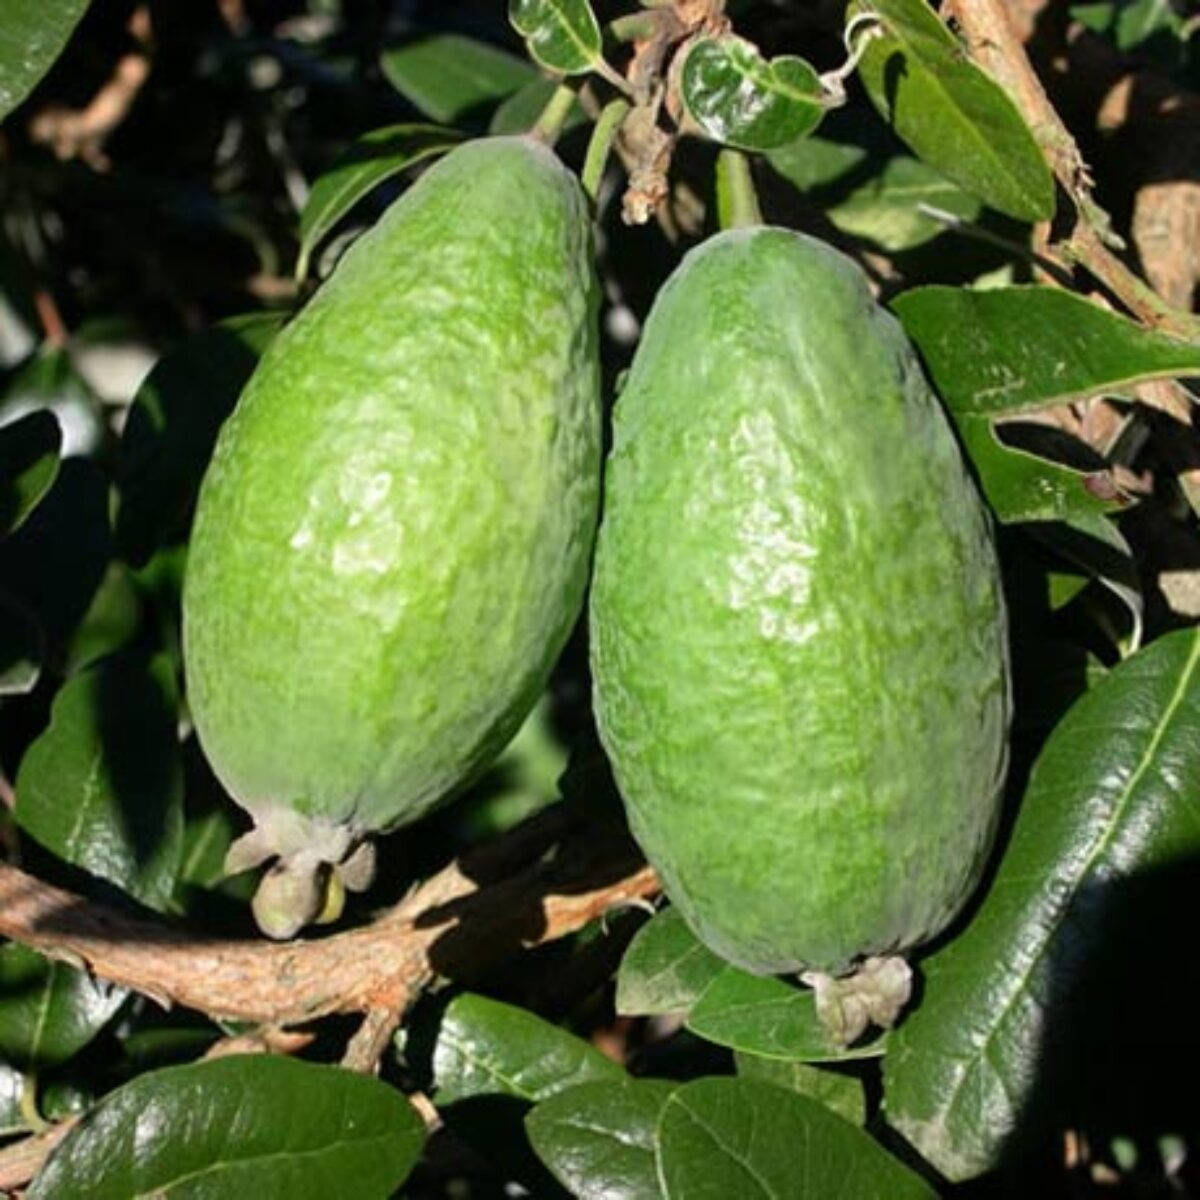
(766, 1016)
(21, 648)
(598, 1138)
(249, 1125)
(665, 969)
(48, 1010)
(450, 78)
(32, 35)
(886, 209)
(562, 35)
(1007, 350)
(49, 379)
(172, 426)
(375, 157)
(949, 113)
(839, 1092)
(737, 1137)
(485, 1048)
(12, 1119)
(739, 98)
(29, 453)
(520, 111)
(1110, 813)
(52, 565)
(102, 786)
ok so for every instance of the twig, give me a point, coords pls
(82, 132)
(467, 917)
(995, 46)
(21, 1161)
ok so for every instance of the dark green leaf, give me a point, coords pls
(519, 113)
(886, 209)
(29, 450)
(952, 115)
(562, 35)
(1075, 924)
(49, 380)
(720, 1137)
(102, 786)
(740, 99)
(373, 158)
(598, 1138)
(665, 969)
(49, 1011)
(21, 648)
(111, 621)
(1007, 350)
(32, 35)
(449, 77)
(766, 1016)
(841, 1093)
(12, 1083)
(172, 427)
(248, 1125)
(53, 564)
(485, 1047)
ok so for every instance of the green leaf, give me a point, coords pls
(12, 1084)
(29, 454)
(450, 77)
(766, 1016)
(112, 619)
(562, 35)
(598, 1138)
(33, 34)
(488, 1048)
(1008, 350)
(840, 1093)
(102, 786)
(48, 379)
(737, 1137)
(665, 969)
(740, 99)
(1067, 930)
(1022, 487)
(519, 113)
(372, 159)
(949, 113)
(21, 648)
(248, 1125)
(49, 1011)
(885, 209)
(53, 564)
(172, 426)
(816, 162)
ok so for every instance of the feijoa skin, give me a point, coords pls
(798, 634)
(392, 540)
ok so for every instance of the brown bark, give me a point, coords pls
(470, 915)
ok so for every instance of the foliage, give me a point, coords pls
(175, 183)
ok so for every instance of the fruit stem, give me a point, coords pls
(28, 1103)
(737, 201)
(605, 129)
(554, 116)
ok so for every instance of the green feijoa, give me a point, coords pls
(798, 634)
(392, 539)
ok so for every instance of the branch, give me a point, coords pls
(534, 885)
(995, 46)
